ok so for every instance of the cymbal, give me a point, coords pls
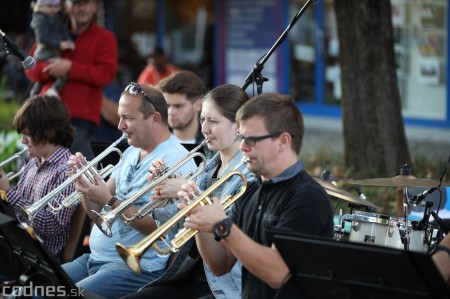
(334, 191)
(398, 181)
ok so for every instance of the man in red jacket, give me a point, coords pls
(89, 68)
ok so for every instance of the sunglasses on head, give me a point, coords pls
(135, 89)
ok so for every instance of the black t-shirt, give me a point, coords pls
(299, 204)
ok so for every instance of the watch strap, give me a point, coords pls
(111, 202)
(442, 248)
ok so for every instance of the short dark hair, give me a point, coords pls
(280, 114)
(47, 120)
(158, 100)
(183, 82)
(228, 98)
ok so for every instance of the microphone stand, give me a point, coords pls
(255, 75)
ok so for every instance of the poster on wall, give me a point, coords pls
(429, 71)
(432, 15)
(250, 28)
(398, 12)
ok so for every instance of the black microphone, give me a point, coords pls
(28, 62)
(416, 199)
(422, 224)
(445, 227)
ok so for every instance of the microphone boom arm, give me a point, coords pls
(255, 75)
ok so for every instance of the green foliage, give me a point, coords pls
(8, 107)
(9, 145)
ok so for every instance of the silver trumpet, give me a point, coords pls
(75, 197)
(16, 156)
(105, 219)
(87, 170)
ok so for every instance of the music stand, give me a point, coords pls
(24, 258)
(324, 268)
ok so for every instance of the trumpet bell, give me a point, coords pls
(130, 256)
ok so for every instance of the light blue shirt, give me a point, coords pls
(228, 285)
(131, 176)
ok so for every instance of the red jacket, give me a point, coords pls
(94, 65)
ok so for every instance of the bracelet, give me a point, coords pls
(112, 201)
(442, 248)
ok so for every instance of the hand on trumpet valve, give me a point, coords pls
(76, 162)
(203, 217)
(94, 188)
(168, 188)
(187, 192)
(157, 168)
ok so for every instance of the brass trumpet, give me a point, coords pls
(132, 254)
(104, 220)
(16, 156)
(31, 211)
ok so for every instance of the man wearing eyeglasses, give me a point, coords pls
(284, 197)
(143, 117)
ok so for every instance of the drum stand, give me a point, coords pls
(404, 229)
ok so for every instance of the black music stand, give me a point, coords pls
(24, 258)
(324, 268)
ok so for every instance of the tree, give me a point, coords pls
(374, 135)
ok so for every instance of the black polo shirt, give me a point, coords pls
(292, 201)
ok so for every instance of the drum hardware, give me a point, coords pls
(368, 227)
(334, 191)
(420, 230)
(339, 228)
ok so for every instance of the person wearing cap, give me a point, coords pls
(51, 38)
(157, 68)
(89, 68)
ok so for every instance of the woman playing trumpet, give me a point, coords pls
(218, 125)
(44, 123)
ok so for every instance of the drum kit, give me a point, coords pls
(383, 230)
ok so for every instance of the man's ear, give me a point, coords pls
(285, 141)
(198, 105)
(156, 117)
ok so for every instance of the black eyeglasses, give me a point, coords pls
(135, 89)
(251, 140)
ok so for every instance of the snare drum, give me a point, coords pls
(417, 240)
(368, 228)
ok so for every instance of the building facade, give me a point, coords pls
(225, 41)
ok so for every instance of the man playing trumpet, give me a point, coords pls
(44, 123)
(270, 130)
(143, 117)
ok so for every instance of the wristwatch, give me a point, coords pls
(110, 205)
(442, 248)
(222, 229)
